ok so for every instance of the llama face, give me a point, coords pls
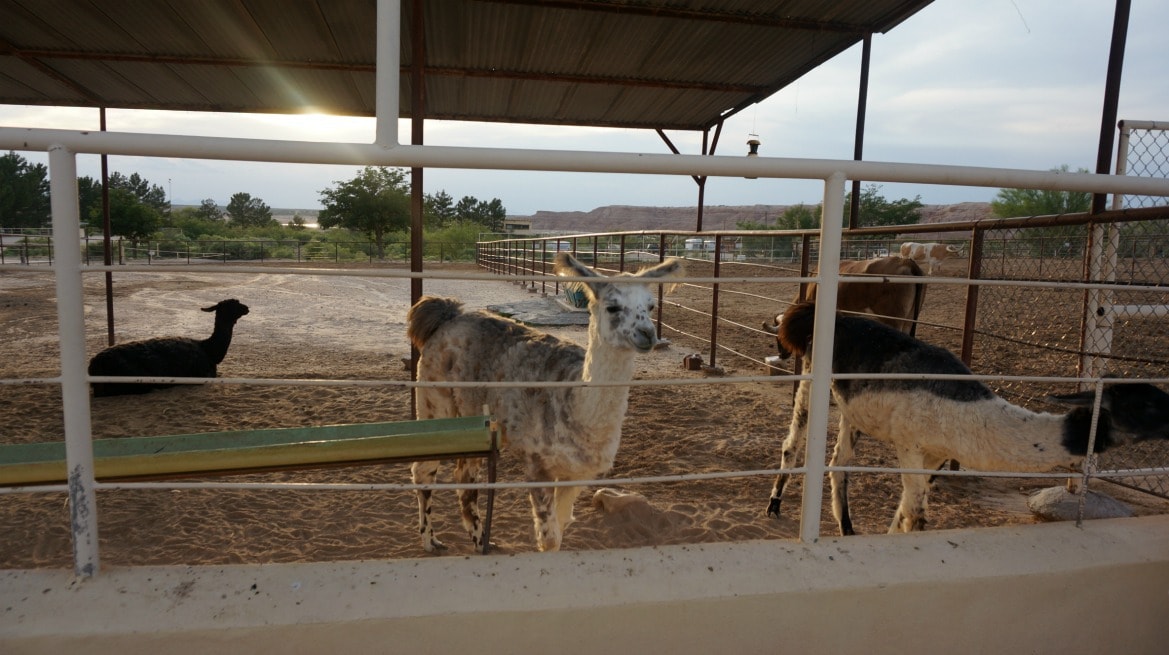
(1137, 411)
(1140, 410)
(622, 313)
(230, 309)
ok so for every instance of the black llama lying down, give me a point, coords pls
(930, 421)
(178, 357)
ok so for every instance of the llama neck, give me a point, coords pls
(984, 435)
(605, 363)
(216, 345)
(1012, 438)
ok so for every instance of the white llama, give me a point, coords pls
(562, 433)
(929, 421)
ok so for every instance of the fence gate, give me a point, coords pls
(1132, 253)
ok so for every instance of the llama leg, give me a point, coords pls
(563, 498)
(466, 472)
(425, 473)
(915, 488)
(792, 445)
(544, 515)
(841, 456)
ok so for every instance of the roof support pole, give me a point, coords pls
(74, 387)
(1111, 96)
(829, 275)
(387, 77)
(107, 246)
(858, 149)
(1100, 255)
(701, 180)
(417, 123)
(708, 148)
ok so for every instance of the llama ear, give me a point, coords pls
(1079, 399)
(566, 264)
(669, 269)
(211, 308)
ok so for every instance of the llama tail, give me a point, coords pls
(427, 316)
(795, 329)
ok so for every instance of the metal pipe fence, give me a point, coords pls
(38, 248)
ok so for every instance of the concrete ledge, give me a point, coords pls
(1043, 588)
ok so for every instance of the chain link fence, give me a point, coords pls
(1131, 321)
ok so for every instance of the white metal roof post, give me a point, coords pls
(386, 78)
(74, 386)
(827, 288)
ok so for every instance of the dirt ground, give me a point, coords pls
(339, 327)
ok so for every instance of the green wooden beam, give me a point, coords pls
(244, 450)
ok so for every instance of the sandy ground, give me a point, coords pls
(340, 327)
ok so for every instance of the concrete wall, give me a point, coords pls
(1046, 588)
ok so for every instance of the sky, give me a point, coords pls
(1000, 83)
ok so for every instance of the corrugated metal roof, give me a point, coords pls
(669, 64)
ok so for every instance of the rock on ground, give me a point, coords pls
(1059, 504)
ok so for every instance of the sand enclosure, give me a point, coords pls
(318, 326)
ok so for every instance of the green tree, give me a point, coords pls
(799, 217)
(465, 208)
(456, 241)
(245, 211)
(489, 214)
(147, 193)
(376, 203)
(89, 196)
(194, 225)
(24, 192)
(1009, 203)
(208, 210)
(131, 218)
(794, 217)
(875, 210)
(89, 202)
(1065, 240)
(440, 210)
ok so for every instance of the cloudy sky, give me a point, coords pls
(1003, 83)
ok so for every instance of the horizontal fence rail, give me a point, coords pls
(15, 249)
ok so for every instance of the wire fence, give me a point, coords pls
(1011, 301)
(1143, 151)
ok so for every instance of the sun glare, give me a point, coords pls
(317, 126)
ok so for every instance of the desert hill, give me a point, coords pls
(613, 218)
